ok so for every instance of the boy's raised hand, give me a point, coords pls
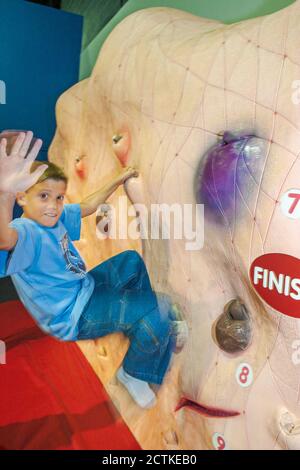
(15, 173)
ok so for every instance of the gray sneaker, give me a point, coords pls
(179, 328)
(181, 331)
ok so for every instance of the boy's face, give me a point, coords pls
(44, 202)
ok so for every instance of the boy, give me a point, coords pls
(51, 277)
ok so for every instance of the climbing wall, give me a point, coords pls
(212, 115)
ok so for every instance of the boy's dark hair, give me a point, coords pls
(53, 171)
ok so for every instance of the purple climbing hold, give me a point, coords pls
(228, 173)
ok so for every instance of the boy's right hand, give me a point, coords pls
(15, 173)
(129, 172)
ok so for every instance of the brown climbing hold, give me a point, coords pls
(233, 328)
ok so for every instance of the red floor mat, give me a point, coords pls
(50, 396)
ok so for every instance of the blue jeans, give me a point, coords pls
(123, 301)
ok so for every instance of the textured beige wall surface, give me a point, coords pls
(174, 81)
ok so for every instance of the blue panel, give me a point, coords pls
(40, 52)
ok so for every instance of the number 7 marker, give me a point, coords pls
(289, 203)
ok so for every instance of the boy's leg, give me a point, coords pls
(126, 270)
(123, 300)
(136, 314)
(109, 311)
(151, 344)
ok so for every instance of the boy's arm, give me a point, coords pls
(8, 236)
(90, 204)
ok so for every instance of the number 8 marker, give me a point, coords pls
(244, 375)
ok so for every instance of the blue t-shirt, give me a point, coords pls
(49, 274)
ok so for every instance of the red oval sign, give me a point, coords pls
(276, 278)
